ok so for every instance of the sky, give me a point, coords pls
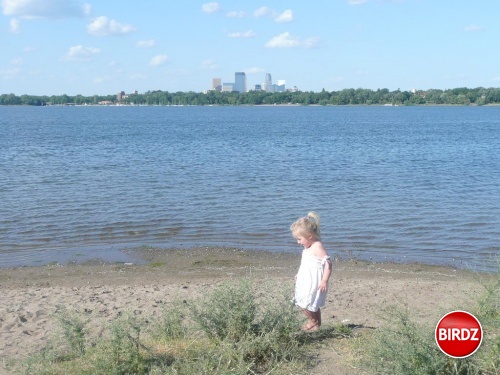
(55, 47)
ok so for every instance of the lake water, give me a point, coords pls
(404, 184)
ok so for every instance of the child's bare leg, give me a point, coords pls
(310, 318)
(317, 316)
(312, 321)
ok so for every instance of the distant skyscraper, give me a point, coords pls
(227, 87)
(268, 83)
(240, 82)
(280, 87)
(216, 84)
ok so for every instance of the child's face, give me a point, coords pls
(305, 240)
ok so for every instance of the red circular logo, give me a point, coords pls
(459, 334)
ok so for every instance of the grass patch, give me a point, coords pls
(403, 347)
(74, 331)
(157, 264)
(218, 263)
(226, 331)
(234, 329)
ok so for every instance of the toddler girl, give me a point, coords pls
(311, 282)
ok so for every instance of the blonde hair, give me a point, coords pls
(308, 225)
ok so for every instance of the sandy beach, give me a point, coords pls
(359, 291)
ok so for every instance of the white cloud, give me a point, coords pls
(81, 53)
(311, 42)
(158, 60)
(286, 16)
(17, 61)
(264, 12)
(287, 40)
(145, 43)
(10, 73)
(209, 64)
(236, 14)
(15, 25)
(473, 28)
(357, 2)
(103, 26)
(246, 34)
(29, 9)
(87, 9)
(210, 7)
(30, 49)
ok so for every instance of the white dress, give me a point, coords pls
(307, 295)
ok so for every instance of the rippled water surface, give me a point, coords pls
(401, 183)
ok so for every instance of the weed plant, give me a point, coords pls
(225, 332)
(228, 312)
(119, 352)
(170, 326)
(488, 313)
(403, 347)
(73, 329)
(254, 339)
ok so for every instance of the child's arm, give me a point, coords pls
(326, 275)
(320, 252)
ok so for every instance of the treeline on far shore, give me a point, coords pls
(457, 96)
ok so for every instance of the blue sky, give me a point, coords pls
(84, 47)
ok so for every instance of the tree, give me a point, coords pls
(461, 96)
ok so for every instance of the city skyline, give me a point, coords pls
(83, 47)
(240, 84)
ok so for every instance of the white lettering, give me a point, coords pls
(458, 334)
(474, 333)
(465, 334)
(442, 334)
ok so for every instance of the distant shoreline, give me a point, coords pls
(456, 96)
(255, 105)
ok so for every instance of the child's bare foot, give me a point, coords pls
(313, 328)
(310, 325)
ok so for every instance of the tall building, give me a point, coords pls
(240, 82)
(121, 95)
(268, 83)
(280, 87)
(227, 87)
(216, 84)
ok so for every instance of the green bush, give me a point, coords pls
(228, 312)
(225, 332)
(125, 354)
(171, 325)
(257, 338)
(74, 331)
(487, 359)
(403, 347)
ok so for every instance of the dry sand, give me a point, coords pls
(30, 296)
